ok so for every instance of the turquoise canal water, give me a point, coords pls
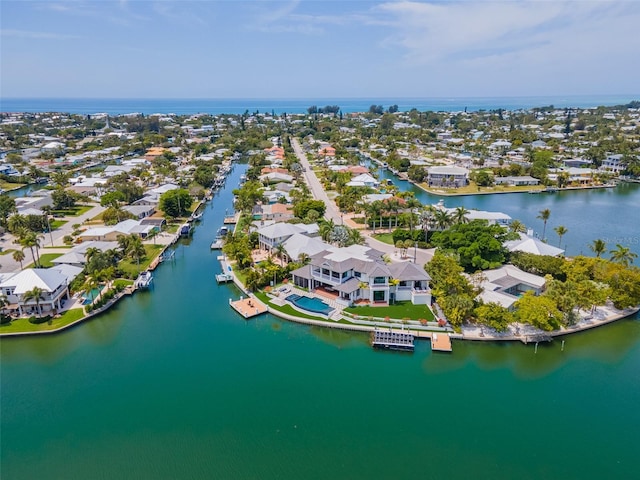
(171, 383)
(611, 214)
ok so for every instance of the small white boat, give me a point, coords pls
(144, 280)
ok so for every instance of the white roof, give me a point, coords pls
(532, 245)
(48, 279)
(364, 178)
(282, 229)
(299, 243)
(340, 254)
(447, 170)
(514, 272)
(483, 215)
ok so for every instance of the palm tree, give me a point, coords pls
(598, 247)
(460, 215)
(561, 230)
(30, 240)
(18, 256)
(544, 216)
(442, 219)
(411, 205)
(623, 255)
(355, 237)
(36, 294)
(135, 249)
(326, 227)
(280, 250)
(518, 227)
(304, 258)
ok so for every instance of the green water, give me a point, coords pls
(172, 384)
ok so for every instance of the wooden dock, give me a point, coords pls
(248, 307)
(440, 342)
(231, 219)
(391, 340)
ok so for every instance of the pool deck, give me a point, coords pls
(248, 307)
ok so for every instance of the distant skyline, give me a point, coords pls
(318, 49)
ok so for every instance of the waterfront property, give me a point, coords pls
(310, 304)
(358, 274)
(52, 282)
(533, 245)
(450, 177)
(505, 285)
(270, 236)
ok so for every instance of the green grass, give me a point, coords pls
(384, 237)
(399, 311)
(55, 224)
(10, 186)
(47, 258)
(73, 211)
(130, 267)
(472, 188)
(288, 309)
(23, 324)
(122, 282)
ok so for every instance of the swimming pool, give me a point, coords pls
(310, 304)
(91, 294)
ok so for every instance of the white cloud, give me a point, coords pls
(36, 35)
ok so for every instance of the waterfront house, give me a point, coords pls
(77, 255)
(363, 180)
(613, 164)
(517, 181)
(505, 285)
(358, 273)
(54, 283)
(446, 176)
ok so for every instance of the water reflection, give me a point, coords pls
(609, 344)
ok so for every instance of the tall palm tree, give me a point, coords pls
(355, 237)
(36, 294)
(544, 216)
(412, 204)
(280, 250)
(18, 256)
(623, 255)
(598, 247)
(561, 230)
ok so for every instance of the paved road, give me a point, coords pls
(422, 256)
(315, 186)
(8, 264)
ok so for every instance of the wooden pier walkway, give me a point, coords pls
(248, 307)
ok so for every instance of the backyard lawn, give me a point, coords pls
(399, 310)
(130, 267)
(24, 325)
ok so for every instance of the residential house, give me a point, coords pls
(111, 233)
(446, 176)
(505, 285)
(363, 180)
(54, 283)
(529, 244)
(358, 273)
(517, 181)
(270, 236)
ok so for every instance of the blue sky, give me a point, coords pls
(321, 49)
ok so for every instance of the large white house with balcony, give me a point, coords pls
(358, 273)
(53, 282)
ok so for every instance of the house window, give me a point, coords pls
(357, 274)
(378, 296)
(379, 280)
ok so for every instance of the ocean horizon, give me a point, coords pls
(186, 106)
